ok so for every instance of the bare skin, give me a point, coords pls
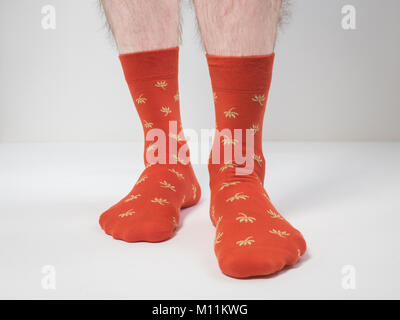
(143, 25)
(228, 27)
(238, 27)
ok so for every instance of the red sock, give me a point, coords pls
(252, 238)
(150, 212)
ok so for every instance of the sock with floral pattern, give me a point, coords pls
(252, 238)
(150, 212)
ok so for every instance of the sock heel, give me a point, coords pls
(192, 202)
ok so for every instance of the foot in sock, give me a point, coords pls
(252, 238)
(150, 212)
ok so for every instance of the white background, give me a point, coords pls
(65, 88)
(328, 84)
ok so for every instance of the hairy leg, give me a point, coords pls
(143, 25)
(238, 27)
(146, 33)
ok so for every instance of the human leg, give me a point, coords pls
(146, 33)
(252, 238)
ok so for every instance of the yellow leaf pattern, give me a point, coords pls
(227, 184)
(147, 124)
(174, 222)
(142, 179)
(259, 99)
(178, 174)
(231, 114)
(194, 189)
(237, 196)
(132, 197)
(160, 201)
(126, 214)
(161, 84)
(245, 218)
(282, 234)
(274, 215)
(176, 137)
(218, 238)
(218, 222)
(246, 242)
(213, 212)
(226, 166)
(180, 160)
(141, 99)
(166, 111)
(165, 184)
(258, 159)
(255, 128)
(229, 141)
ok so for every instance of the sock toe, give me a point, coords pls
(149, 231)
(251, 263)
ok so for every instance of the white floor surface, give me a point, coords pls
(344, 197)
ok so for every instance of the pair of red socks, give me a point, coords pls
(252, 238)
